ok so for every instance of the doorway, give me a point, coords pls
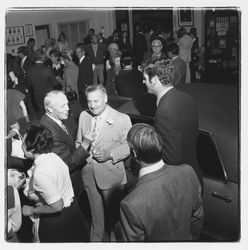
(42, 33)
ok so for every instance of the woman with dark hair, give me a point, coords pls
(60, 217)
(125, 44)
(62, 43)
(129, 81)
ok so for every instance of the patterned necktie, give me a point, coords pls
(95, 131)
(64, 128)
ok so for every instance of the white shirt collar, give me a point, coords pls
(55, 119)
(151, 169)
(81, 59)
(23, 59)
(162, 93)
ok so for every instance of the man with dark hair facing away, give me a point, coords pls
(165, 204)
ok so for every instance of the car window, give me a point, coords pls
(208, 156)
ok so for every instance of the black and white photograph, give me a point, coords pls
(122, 124)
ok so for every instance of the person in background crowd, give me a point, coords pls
(42, 80)
(194, 54)
(179, 64)
(56, 106)
(148, 35)
(30, 49)
(104, 176)
(185, 44)
(57, 66)
(62, 43)
(139, 45)
(125, 45)
(175, 36)
(176, 118)
(156, 54)
(115, 60)
(165, 204)
(114, 38)
(160, 34)
(87, 39)
(14, 219)
(101, 38)
(70, 76)
(57, 209)
(96, 52)
(129, 81)
(85, 73)
(112, 48)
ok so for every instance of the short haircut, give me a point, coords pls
(163, 69)
(173, 48)
(143, 139)
(39, 54)
(126, 59)
(157, 39)
(91, 30)
(95, 87)
(39, 139)
(50, 96)
(54, 52)
(30, 40)
(22, 50)
(80, 46)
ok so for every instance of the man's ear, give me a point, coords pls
(134, 154)
(106, 98)
(49, 110)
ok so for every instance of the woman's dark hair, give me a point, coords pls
(126, 59)
(147, 144)
(39, 139)
(61, 34)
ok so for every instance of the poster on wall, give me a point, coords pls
(15, 36)
(29, 30)
(185, 17)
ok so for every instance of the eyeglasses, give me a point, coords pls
(156, 46)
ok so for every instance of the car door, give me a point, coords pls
(220, 197)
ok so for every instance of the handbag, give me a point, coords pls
(17, 151)
(71, 94)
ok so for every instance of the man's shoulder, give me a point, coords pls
(117, 114)
(47, 121)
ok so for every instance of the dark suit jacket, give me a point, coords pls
(176, 119)
(100, 53)
(42, 80)
(85, 73)
(163, 206)
(129, 83)
(64, 147)
(139, 46)
(27, 64)
(180, 66)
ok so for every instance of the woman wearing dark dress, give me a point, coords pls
(129, 81)
(60, 217)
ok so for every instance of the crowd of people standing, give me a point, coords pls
(66, 173)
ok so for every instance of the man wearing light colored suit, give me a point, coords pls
(104, 175)
(96, 52)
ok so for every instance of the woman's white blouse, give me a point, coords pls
(51, 179)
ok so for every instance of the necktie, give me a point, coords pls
(95, 131)
(64, 128)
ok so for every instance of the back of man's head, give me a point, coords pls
(145, 142)
(40, 55)
(173, 48)
(163, 69)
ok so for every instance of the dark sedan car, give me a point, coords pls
(217, 152)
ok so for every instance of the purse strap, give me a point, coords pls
(18, 133)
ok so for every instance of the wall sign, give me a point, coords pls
(15, 36)
(185, 17)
